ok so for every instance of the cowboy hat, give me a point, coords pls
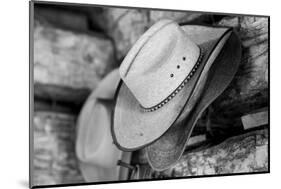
(166, 67)
(165, 151)
(97, 154)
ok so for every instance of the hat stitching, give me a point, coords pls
(177, 90)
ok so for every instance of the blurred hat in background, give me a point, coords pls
(97, 155)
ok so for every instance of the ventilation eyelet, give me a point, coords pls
(172, 75)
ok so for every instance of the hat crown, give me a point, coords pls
(158, 63)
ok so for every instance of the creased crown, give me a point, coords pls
(158, 63)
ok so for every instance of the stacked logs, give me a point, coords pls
(54, 157)
(68, 65)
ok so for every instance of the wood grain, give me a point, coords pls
(70, 59)
(54, 159)
(246, 153)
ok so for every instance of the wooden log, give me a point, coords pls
(247, 153)
(249, 89)
(124, 26)
(54, 159)
(69, 59)
(61, 17)
(240, 154)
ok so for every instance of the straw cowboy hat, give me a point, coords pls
(97, 154)
(163, 77)
(165, 151)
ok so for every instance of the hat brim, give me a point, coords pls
(165, 151)
(96, 153)
(133, 128)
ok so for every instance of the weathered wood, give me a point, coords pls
(245, 153)
(124, 26)
(241, 154)
(68, 59)
(61, 17)
(249, 89)
(54, 159)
